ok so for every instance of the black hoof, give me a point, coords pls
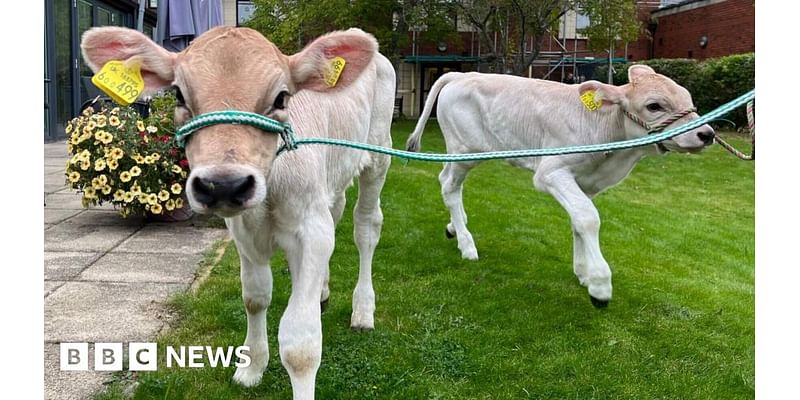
(597, 303)
(323, 305)
(448, 234)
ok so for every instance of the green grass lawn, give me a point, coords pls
(679, 235)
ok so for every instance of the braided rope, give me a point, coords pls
(751, 126)
(270, 125)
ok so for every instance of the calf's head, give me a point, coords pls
(232, 69)
(653, 98)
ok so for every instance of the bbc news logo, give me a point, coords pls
(144, 356)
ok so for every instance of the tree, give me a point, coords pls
(610, 21)
(291, 24)
(514, 21)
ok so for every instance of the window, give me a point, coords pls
(244, 12)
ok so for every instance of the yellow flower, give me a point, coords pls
(179, 203)
(106, 189)
(99, 135)
(138, 158)
(88, 111)
(84, 155)
(125, 176)
(119, 195)
(155, 156)
(113, 120)
(91, 125)
(89, 193)
(152, 129)
(74, 160)
(75, 139)
(148, 160)
(135, 171)
(163, 195)
(176, 168)
(115, 110)
(155, 208)
(116, 153)
(135, 189)
(85, 165)
(127, 197)
(142, 198)
(176, 188)
(140, 125)
(169, 205)
(152, 198)
(87, 130)
(102, 179)
(69, 128)
(99, 164)
(107, 138)
(113, 164)
(101, 121)
(74, 176)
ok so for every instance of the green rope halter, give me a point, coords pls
(290, 143)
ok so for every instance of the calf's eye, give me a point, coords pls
(280, 101)
(654, 107)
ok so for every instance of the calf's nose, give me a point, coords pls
(706, 135)
(231, 191)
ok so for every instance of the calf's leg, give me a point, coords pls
(589, 263)
(300, 330)
(367, 221)
(452, 181)
(257, 294)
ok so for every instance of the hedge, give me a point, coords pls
(712, 82)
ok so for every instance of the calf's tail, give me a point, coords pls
(413, 142)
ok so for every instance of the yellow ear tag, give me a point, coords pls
(590, 101)
(123, 84)
(337, 66)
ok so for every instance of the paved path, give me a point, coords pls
(105, 277)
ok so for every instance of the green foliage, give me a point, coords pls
(679, 234)
(610, 21)
(712, 82)
(293, 24)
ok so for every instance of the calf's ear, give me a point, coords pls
(313, 68)
(609, 94)
(103, 44)
(639, 70)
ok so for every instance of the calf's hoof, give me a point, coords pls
(597, 303)
(248, 376)
(448, 234)
(362, 322)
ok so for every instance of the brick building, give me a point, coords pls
(704, 29)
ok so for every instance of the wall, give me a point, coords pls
(728, 24)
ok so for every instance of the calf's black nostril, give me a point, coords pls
(204, 191)
(243, 190)
(706, 136)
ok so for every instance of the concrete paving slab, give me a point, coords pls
(69, 385)
(101, 217)
(54, 170)
(55, 215)
(51, 286)
(66, 265)
(56, 162)
(55, 178)
(164, 238)
(65, 200)
(55, 149)
(85, 238)
(143, 267)
(106, 311)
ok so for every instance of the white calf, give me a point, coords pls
(486, 112)
(293, 201)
